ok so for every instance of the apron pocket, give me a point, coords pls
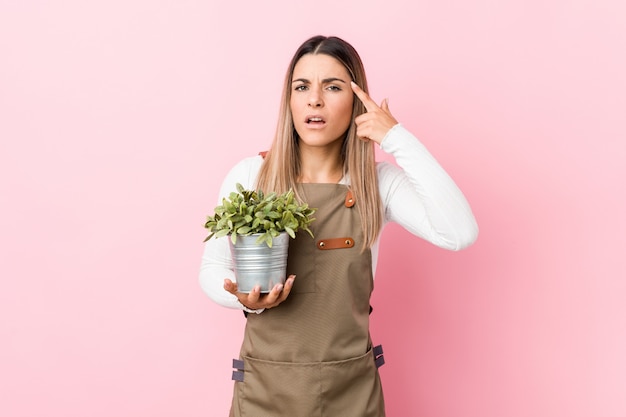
(352, 388)
(272, 389)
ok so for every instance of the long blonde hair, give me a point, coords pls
(281, 168)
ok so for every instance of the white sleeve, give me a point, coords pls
(217, 263)
(421, 196)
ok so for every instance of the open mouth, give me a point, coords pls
(315, 120)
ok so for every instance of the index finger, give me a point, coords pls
(365, 99)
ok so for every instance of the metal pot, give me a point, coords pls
(259, 264)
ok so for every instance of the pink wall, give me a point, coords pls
(119, 118)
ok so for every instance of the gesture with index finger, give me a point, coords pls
(374, 124)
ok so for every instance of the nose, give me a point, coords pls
(315, 98)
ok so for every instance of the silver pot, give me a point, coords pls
(259, 264)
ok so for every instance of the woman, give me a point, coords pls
(307, 349)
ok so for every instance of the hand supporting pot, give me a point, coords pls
(255, 300)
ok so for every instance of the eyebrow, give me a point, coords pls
(324, 81)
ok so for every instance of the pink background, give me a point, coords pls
(118, 120)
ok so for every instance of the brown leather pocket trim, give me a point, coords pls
(335, 243)
(349, 199)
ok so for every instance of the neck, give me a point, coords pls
(320, 166)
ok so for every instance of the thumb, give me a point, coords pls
(230, 286)
(385, 105)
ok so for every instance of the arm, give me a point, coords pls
(217, 277)
(217, 264)
(421, 196)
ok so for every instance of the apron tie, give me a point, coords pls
(379, 359)
(238, 370)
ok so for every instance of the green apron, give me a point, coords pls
(312, 356)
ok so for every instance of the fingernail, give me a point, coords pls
(353, 84)
(279, 287)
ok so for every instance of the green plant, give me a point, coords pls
(248, 212)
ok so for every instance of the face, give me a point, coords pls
(321, 100)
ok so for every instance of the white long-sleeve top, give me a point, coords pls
(417, 194)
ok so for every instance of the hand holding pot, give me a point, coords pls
(254, 300)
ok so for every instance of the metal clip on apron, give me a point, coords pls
(312, 355)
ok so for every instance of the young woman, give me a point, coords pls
(307, 349)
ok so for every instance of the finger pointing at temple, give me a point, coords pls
(370, 105)
(374, 124)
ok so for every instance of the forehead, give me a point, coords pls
(312, 66)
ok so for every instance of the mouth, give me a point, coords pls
(315, 120)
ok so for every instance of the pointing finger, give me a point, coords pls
(369, 104)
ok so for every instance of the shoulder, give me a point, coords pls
(390, 179)
(243, 172)
(385, 168)
(247, 165)
(387, 172)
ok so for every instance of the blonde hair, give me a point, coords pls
(357, 155)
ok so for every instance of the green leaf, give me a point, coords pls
(222, 233)
(244, 230)
(251, 211)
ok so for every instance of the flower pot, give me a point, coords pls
(259, 264)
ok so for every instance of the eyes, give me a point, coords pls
(305, 87)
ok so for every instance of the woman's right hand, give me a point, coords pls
(254, 300)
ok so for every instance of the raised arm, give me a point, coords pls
(419, 194)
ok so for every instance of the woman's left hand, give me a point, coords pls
(374, 124)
